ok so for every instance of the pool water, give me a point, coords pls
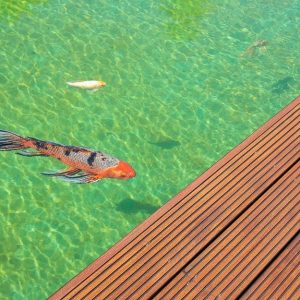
(181, 92)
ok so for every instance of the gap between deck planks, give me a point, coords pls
(235, 258)
(281, 279)
(152, 255)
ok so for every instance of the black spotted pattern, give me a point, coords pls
(91, 158)
(40, 144)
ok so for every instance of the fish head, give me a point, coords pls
(122, 171)
(261, 43)
(264, 43)
(101, 83)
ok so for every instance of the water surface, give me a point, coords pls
(179, 95)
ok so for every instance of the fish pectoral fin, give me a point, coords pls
(31, 153)
(85, 178)
(93, 90)
(69, 171)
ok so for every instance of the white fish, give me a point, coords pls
(88, 85)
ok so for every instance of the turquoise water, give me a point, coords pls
(181, 92)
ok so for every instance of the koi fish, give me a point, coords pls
(256, 45)
(88, 85)
(84, 165)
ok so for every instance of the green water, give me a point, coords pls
(179, 95)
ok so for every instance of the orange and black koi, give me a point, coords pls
(84, 165)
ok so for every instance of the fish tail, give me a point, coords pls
(72, 83)
(12, 141)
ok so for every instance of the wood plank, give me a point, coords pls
(152, 253)
(292, 295)
(138, 293)
(234, 259)
(278, 274)
(180, 241)
(224, 236)
(287, 289)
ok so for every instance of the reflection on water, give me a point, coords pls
(11, 10)
(185, 16)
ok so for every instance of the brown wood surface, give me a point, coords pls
(281, 279)
(153, 255)
(235, 258)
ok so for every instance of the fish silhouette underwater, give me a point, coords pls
(131, 206)
(282, 85)
(93, 85)
(259, 44)
(84, 165)
(166, 144)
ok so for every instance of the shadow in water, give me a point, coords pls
(166, 144)
(131, 206)
(282, 85)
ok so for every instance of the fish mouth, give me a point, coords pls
(132, 174)
(129, 175)
(125, 170)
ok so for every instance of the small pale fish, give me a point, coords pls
(83, 165)
(259, 44)
(93, 85)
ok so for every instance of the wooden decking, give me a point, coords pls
(233, 233)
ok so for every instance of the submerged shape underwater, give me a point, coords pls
(180, 94)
